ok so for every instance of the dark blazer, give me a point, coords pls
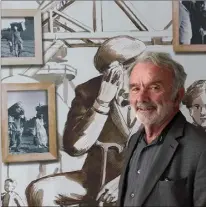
(182, 161)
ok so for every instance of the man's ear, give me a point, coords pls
(179, 96)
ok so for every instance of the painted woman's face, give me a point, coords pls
(198, 110)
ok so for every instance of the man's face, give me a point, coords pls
(198, 110)
(8, 186)
(151, 90)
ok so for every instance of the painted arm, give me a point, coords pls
(85, 122)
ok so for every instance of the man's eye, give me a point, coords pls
(135, 89)
(154, 88)
(196, 106)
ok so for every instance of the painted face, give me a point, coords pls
(151, 93)
(8, 186)
(198, 110)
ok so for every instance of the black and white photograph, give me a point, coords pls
(29, 121)
(21, 37)
(17, 37)
(189, 25)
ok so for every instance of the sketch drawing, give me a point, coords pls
(17, 37)
(10, 197)
(195, 101)
(28, 122)
(103, 134)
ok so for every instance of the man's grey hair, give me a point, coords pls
(164, 61)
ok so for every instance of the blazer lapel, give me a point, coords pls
(166, 153)
(131, 147)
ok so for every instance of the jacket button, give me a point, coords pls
(132, 195)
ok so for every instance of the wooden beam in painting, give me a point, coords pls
(97, 16)
(168, 25)
(38, 2)
(73, 21)
(45, 17)
(46, 6)
(138, 15)
(131, 15)
(104, 35)
(61, 24)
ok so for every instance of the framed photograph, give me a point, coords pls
(28, 122)
(21, 37)
(189, 26)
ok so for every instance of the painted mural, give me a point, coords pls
(88, 58)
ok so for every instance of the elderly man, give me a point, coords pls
(99, 123)
(166, 160)
(195, 101)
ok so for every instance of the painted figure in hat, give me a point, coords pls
(16, 120)
(195, 101)
(99, 123)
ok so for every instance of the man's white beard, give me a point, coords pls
(156, 116)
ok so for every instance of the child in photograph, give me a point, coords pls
(10, 197)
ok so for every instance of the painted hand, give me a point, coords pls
(110, 83)
(109, 192)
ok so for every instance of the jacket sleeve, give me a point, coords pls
(83, 125)
(199, 196)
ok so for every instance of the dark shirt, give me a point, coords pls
(142, 158)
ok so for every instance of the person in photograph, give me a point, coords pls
(185, 26)
(40, 131)
(16, 112)
(166, 158)
(17, 41)
(11, 130)
(99, 124)
(198, 21)
(10, 198)
(9, 41)
(195, 101)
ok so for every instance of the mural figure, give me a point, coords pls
(10, 197)
(16, 122)
(99, 123)
(40, 134)
(195, 101)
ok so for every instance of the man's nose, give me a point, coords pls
(203, 111)
(142, 96)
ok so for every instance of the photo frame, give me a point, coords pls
(21, 37)
(28, 122)
(190, 41)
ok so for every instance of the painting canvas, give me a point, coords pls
(27, 134)
(189, 26)
(21, 38)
